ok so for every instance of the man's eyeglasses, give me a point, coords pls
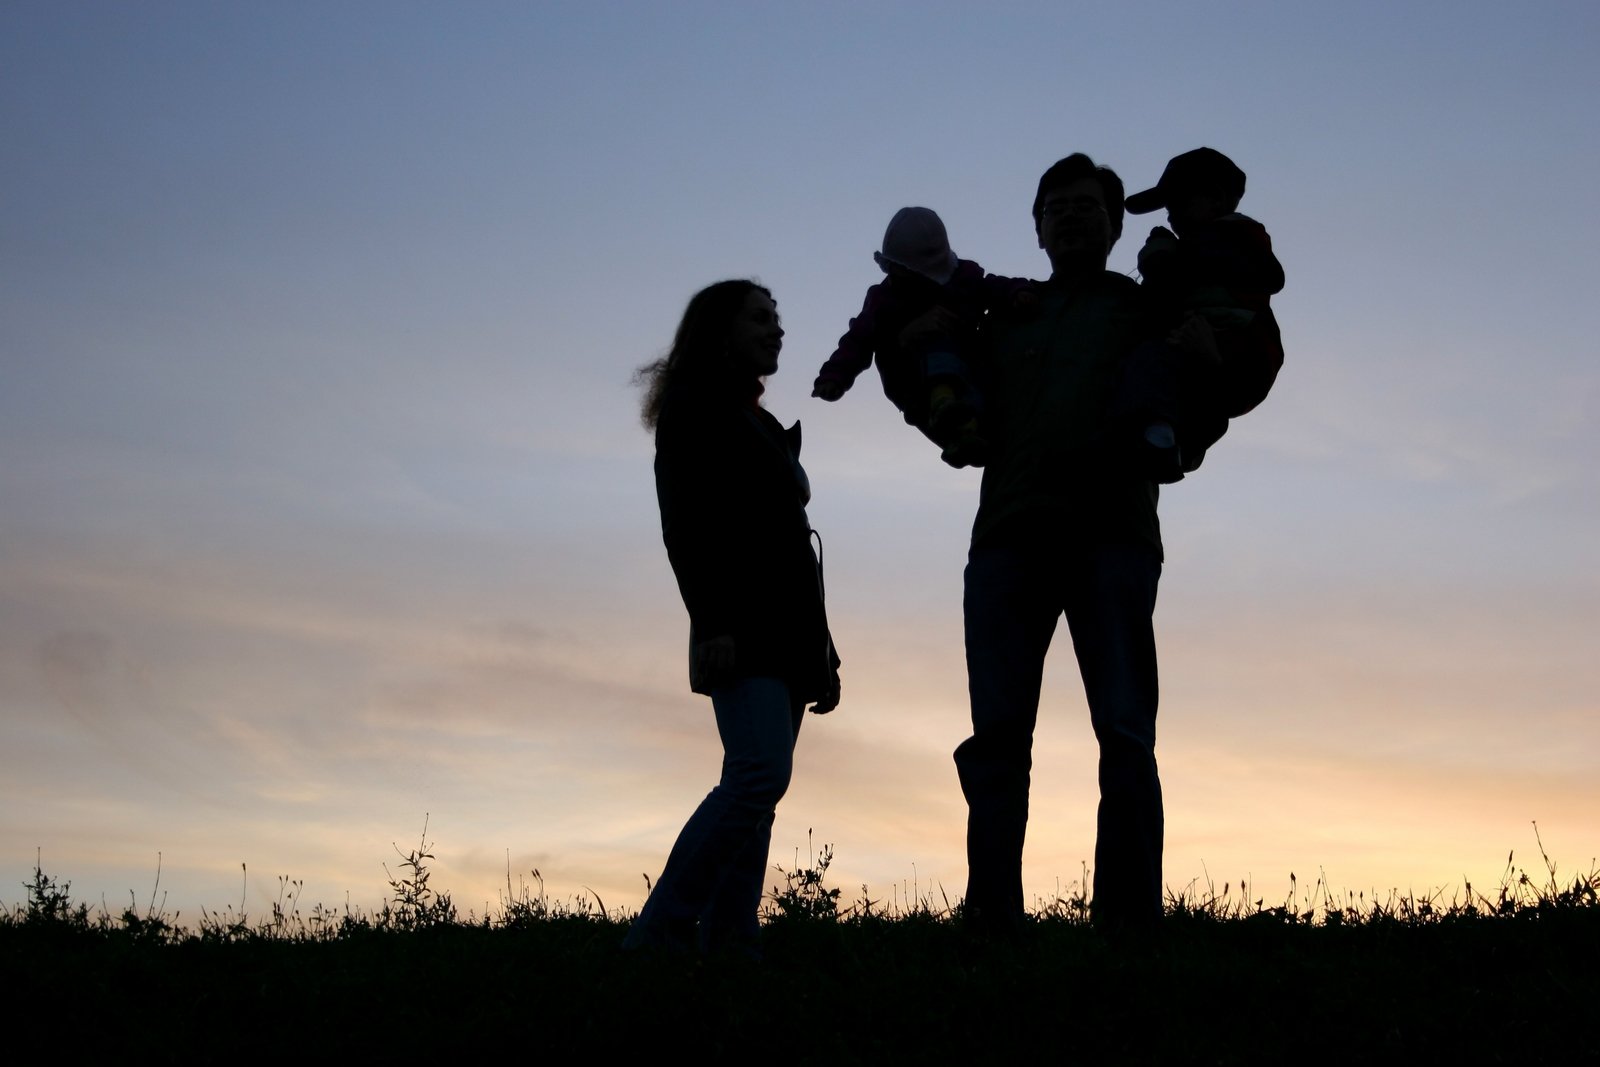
(1075, 205)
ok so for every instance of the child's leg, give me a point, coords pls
(903, 385)
(1149, 388)
(954, 408)
(1199, 417)
(1147, 411)
(951, 398)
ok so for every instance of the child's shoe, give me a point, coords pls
(1160, 458)
(969, 449)
(948, 414)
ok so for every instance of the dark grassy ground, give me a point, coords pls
(1509, 979)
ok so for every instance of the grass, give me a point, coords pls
(1507, 975)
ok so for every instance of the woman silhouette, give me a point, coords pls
(732, 496)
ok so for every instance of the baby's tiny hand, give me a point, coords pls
(828, 389)
(1159, 249)
(1161, 239)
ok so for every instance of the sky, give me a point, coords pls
(325, 508)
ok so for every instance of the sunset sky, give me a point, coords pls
(325, 506)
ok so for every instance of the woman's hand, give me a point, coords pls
(712, 660)
(830, 699)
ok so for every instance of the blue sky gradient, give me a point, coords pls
(327, 505)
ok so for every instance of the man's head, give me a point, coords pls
(1195, 187)
(1077, 214)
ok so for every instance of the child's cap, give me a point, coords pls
(1202, 170)
(916, 241)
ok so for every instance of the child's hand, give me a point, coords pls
(828, 389)
(1023, 301)
(1158, 249)
(1161, 242)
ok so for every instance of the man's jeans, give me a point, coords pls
(1014, 595)
(715, 872)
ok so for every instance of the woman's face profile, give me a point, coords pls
(756, 336)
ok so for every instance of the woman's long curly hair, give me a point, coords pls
(699, 350)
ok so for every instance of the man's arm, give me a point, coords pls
(1002, 295)
(1251, 359)
(1235, 252)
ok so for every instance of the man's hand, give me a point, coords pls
(1196, 337)
(830, 699)
(711, 661)
(930, 324)
(828, 389)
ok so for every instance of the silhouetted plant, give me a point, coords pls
(153, 925)
(50, 900)
(804, 895)
(1071, 906)
(414, 903)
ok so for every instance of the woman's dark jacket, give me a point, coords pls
(733, 496)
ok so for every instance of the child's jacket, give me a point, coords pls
(887, 310)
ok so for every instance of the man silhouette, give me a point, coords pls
(1063, 528)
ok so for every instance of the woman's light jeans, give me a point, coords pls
(715, 871)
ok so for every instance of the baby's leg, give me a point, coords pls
(954, 408)
(1146, 414)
